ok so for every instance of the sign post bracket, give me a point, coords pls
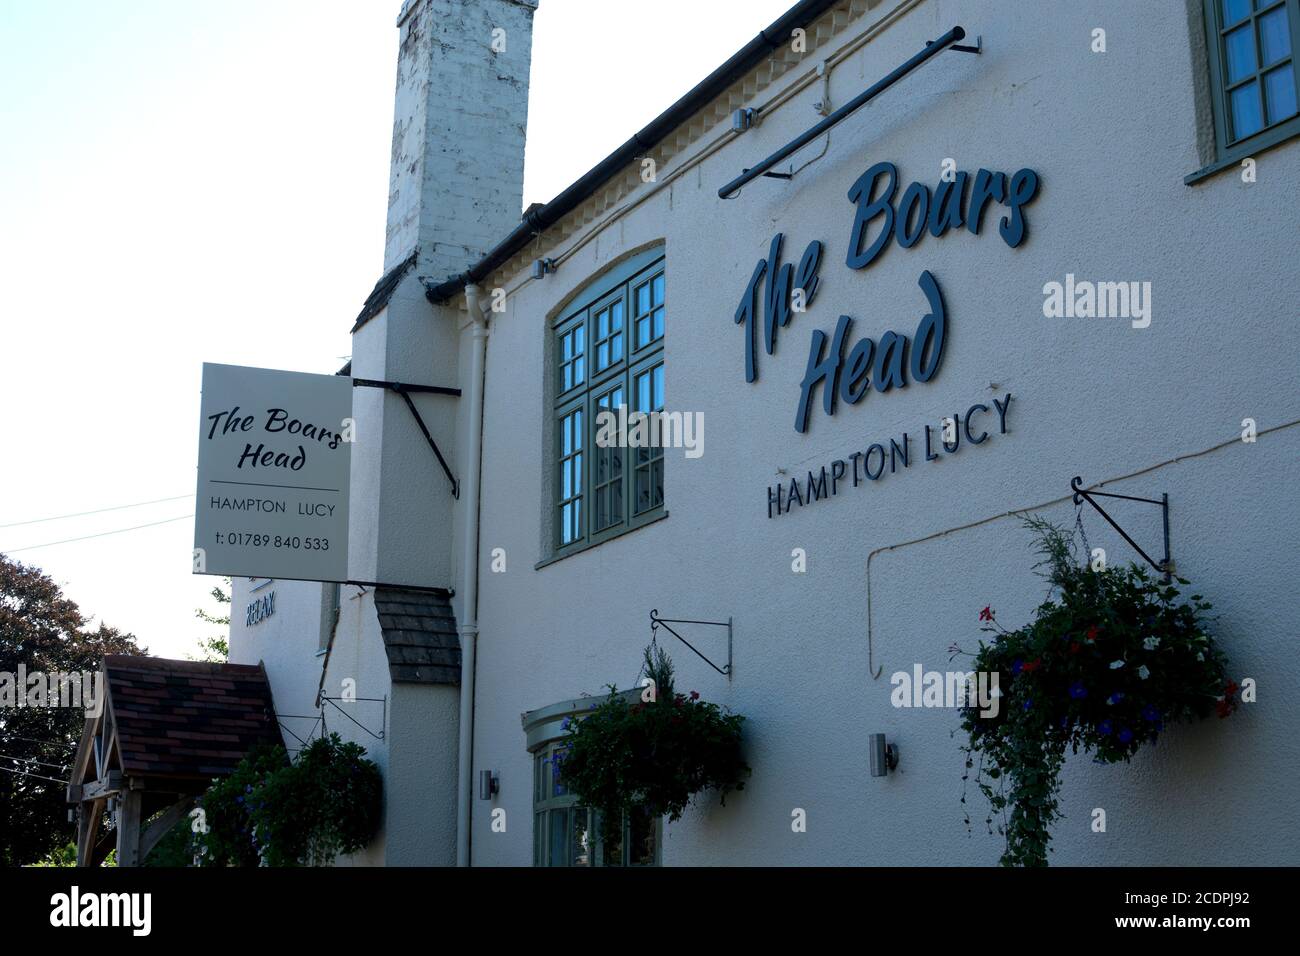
(404, 389)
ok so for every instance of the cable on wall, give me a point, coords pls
(876, 672)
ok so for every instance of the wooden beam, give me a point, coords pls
(159, 828)
(128, 827)
(88, 814)
(111, 782)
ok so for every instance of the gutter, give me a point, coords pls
(538, 219)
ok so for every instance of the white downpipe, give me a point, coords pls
(468, 628)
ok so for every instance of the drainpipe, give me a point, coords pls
(468, 627)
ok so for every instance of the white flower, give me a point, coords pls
(1143, 672)
(1151, 643)
(1116, 665)
(1200, 656)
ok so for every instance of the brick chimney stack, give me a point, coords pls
(461, 111)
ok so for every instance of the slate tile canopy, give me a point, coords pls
(187, 718)
(419, 629)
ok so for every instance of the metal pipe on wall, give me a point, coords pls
(468, 628)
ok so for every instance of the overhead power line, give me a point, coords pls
(102, 534)
(97, 511)
(34, 776)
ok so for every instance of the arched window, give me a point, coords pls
(608, 367)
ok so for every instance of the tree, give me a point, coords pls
(44, 632)
(216, 649)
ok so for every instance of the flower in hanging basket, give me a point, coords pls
(652, 755)
(1144, 660)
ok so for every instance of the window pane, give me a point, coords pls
(602, 355)
(1274, 35)
(643, 298)
(580, 851)
(658, 286)
(578, 370)
(1240, 44)
(1234, 10)
(616, 345)
(643, 393)
(577, 429)
(539, 838)
(642, 331)
(658, 330)
(1247, 118)
(602, 323)
(616, 312)
(578, 338)
(658, 389)
(559, 839)
(1279, 89)
(612, 853)
(641, 839)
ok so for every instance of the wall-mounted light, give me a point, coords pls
(884, 756)
(542, 266)
(742, 120)
(489, 784)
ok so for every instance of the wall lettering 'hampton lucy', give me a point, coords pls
(850, 372)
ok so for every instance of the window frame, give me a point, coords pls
(617, 284)
(1230, 152)
(544, 730)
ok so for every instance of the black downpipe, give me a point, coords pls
(773, 37)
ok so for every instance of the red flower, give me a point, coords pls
(1033, 665)
(1224, 707)
(987, 613)
(1074, 647)
(695, 695)
(1092, 634)
(1231, 689)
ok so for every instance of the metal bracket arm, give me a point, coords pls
(1164, 566)
(656, 621)
(403, 389)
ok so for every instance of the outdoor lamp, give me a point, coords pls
(489, 784)
(884, 756)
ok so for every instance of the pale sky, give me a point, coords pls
(206, 180)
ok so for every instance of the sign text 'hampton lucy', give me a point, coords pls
(274, 459)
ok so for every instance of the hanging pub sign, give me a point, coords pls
(847, 371)
(274, 460)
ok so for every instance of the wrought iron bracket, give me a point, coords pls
(656, 621)
(1165, 566)
(384, 719)
(403, 389)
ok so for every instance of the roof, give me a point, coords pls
(537, 218)
(419, 629)
(187, 718)
(383, 289)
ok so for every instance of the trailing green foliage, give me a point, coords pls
(271, 812)
(651, 755)
(1108, 661)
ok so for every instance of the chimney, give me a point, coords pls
(461, 111)
(456, 188)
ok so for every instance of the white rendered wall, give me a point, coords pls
(1112, 136)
